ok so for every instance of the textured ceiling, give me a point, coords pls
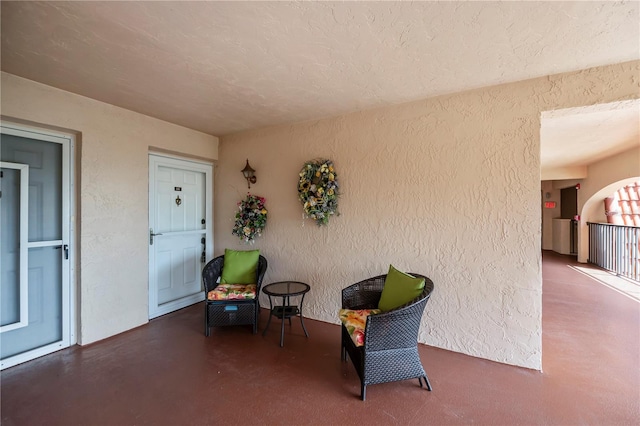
(223, 67)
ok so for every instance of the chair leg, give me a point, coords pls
(206, 320)
(426, 381)
(255, 321)
(363, 391)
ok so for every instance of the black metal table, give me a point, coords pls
(285, 290)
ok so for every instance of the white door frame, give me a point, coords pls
(68, 238)
(155, 160)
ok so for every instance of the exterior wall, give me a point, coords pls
(448, 187)
(113, 195)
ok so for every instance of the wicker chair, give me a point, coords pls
(390, 350)
(230, 312)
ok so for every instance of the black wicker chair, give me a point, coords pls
(390, 350)
(230, 312)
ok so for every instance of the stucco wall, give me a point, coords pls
(113, 195)
(448, 187)
(607, 171)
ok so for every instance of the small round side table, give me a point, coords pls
(285, 290)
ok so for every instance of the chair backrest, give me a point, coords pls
(398, 328)
(213, 271)
(366, 294)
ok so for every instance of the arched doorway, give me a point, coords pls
(593, 211)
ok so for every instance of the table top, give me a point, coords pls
(286, 288)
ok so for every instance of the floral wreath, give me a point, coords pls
(318, 190)
(250, 219)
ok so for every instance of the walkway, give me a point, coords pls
(168, 373)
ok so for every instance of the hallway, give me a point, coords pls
(168, 373)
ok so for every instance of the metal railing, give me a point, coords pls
(615, 248)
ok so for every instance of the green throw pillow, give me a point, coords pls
(240, 267)
(399, 288)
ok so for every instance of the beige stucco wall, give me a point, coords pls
(448, 187)
(113, 276)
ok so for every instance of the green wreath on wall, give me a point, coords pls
(318, 190)
(251, 218)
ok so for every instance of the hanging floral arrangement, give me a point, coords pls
(251, 218)
(318, 190)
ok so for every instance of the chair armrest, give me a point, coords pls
(211, 273)
(395, 329)
(260, 271)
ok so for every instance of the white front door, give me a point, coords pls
(180, 231)
(36, 263)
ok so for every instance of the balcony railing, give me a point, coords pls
(615, 248)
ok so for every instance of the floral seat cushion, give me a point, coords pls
(232, 291)
(354, 321)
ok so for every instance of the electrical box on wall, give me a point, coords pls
(549, 204)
